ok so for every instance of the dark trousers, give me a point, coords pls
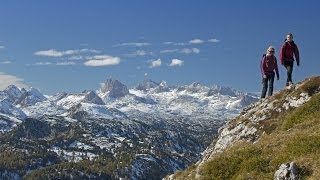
(270, 79)
(289, 66)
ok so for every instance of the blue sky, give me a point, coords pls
(75, 45)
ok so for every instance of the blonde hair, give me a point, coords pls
(270, 48)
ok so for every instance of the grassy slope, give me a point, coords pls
(293, 135)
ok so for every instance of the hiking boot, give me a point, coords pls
(287, 83)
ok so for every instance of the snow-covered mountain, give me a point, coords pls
(164, 127)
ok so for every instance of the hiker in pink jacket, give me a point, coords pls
(268, 68)
(288, 49)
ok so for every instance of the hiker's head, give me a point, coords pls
(289, 37)
(270, 50)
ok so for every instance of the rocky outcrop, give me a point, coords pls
(92, 97)
(287, 171)
(114, 88)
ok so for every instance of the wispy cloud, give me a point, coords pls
(50, 53)
(214, 40)
(175, 43)
(139, 53)
(190, 50)
(55, 53)
(169, 51)
(155, 63)
(67, 63)
(176, 62)
(43, 63)
(76, 58)
(196, 41)
(2, 47)
(135, 44)
(102, 60)
(7, 79)
(6, 62)
(184, 51)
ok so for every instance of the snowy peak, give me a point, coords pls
(146, 85)
(92, 97)
(114, 88)
(11, 93)
(30, 97)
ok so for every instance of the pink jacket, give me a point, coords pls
(268, 65)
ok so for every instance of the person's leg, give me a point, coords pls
(264, 87)
(271, 80)
(290, 69)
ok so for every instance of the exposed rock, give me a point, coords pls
(147, 85)
(92, 97)
(288, 171)
(114, 88)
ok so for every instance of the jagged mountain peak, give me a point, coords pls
(92, 97)
(195, 84)
(146, 85)
(30, 97)
(113, 88)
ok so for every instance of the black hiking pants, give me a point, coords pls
(289, 66)
(265, 83)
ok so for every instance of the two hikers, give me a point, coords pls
(269, 64)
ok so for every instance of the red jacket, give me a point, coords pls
(269, 65)
(287, 51)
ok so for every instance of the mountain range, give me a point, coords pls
(114, 132)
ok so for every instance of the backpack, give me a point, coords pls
(274, 59)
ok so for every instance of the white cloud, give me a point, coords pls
(214, 40)
(169, 51)
(76, 58)
(196, 41)
(176, 62)
(6, 62)
(139, 53)
(136, 44)
(65, 63)
(50, 53)
(190, 50)
(156, 63)
(175, 43)
(43, 63)
(2, 47)
(7, 79)
(55, 53)
(102, 60)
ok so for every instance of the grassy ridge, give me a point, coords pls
(293, 135)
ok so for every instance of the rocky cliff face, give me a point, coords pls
(114, 88)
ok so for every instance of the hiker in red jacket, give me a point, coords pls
(268, 66)
(288, 49)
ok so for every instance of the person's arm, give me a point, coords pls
(296, 54)
(263, 66)
(282, 54)
(276, 68)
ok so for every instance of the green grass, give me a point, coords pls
(293, 135)
(304, 113)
